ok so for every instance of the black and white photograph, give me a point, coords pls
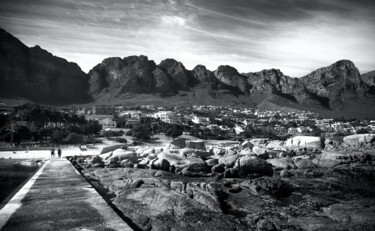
(187, 115)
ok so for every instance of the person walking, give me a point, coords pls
(59, 152)
(52, 152)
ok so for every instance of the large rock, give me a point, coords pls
(211, 162)
(187, 152)
(260, 152)
(178, 142)
(247, 144)
(303, 162)
(359, 139)
(194, 144)
(282, 163)
(248, 165)
(219, 168)
(122, 154)
(180, 162)
(309, 142)
(229, 161)
(331, 159)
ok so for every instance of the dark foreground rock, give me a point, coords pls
(161, 200)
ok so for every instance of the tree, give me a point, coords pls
(141, 132)
(174, 131)
(58, 135)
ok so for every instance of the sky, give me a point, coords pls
(295, 36)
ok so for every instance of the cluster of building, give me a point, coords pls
(211, 117)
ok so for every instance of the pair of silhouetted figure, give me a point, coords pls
(58, 152)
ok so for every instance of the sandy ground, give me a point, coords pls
(46, 154)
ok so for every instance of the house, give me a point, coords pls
(167, 117)
(200, 120)
(106, 121)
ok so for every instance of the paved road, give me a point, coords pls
(59, 199)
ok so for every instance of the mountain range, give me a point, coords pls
(34, 74)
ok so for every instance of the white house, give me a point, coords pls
(167, 116)
(200, 120)
(106, 121)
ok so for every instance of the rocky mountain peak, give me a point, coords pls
(176, 71)
(230, 76)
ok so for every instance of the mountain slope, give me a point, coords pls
(37, 75)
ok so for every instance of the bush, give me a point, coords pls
(74, 138)
(121, 140)
(141, 132)
(129, 133)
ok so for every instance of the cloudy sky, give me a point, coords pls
(296, 36)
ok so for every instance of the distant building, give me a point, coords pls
(106, 121)
(200, 120)
(167, 117)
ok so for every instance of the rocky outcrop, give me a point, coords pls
(308, 142)
(360, 140)
(230, 76)
(369, 78)
(336, 84)
(37, 75)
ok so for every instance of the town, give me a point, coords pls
(203, 122)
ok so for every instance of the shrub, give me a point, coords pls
(121, 140)
(141, 132)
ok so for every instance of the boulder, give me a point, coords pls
(230, 152)
(303, 162)
(218, 151)
(247, 144)
(229, 161)
(96, 160)
(146, 152)
(260, 152)
(160, 163)
(252, 165)
(122, 154)
(179, 162)
(196, 152)
(231, 173)
(127, 163)
(219, 168)
(359, 139)
(178, 142)
(275, 145)
(282, 163)
(211, 162)
(309, 142)
(246, 151)
(195, 144)
(331, 159)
